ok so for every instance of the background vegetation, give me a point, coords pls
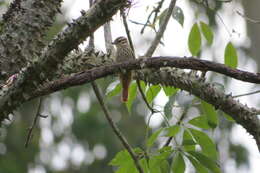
(75, 136)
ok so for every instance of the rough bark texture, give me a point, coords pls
(243, 115)
(87, 60)
(21, 42)
(44, 68)
(22, 33)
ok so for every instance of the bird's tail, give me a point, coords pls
(125, 81)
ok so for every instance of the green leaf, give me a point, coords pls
(168, 90)
(166, 149)
(153, 137)
(164, 154)
(168, 107)
(178, 165)
(173, 130)
(228, 117)
(207, 145)
(144, 165)
(143, 86)
(159, 163)
(125, 162)
(127, 168)
(210, 113)
(200, 121)
(188, 141)
(120, 158)
(207, 32)
(164, 166)
(178, 15)
(132, 96)
(194, 41)
(113, 90)
(231, 56)
(154, 165)
(197, 165)
(206, 161)
(152, 92)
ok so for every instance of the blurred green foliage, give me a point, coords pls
(89, 128)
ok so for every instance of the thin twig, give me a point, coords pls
(144, 98)
(127, 30)
(138, 23)
(30, 130)
(116, 129)
(108, 38)
(159, 34)
(155, 11)
(135, 22)
(248, 18)
(222, 21)
(247, 94)
(91, 37)
(178, 123)
(147, 22)
(132, 47)
(224, 1)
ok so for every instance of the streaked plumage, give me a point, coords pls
(124, 53)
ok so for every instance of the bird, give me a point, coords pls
(124, 53)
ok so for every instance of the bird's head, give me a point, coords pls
(119, 41)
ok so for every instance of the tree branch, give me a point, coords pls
(22, 33)
(242, 114)
(44, 69)
(108, 38)
(247, 94)
(159, 34)
(178, 62)
(132, 47)
(115, 128)
(155, 11)
(123, 140)
(30, 130)
(183, 114)
(111, 68)
(165, 76)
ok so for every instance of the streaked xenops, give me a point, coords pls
(124, 53)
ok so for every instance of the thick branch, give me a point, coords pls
(206, 91)
(204, 65)
(243, 115)
(30, 78)
(22, 33)
(178, 62)
(76, 33)
(156, 63)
